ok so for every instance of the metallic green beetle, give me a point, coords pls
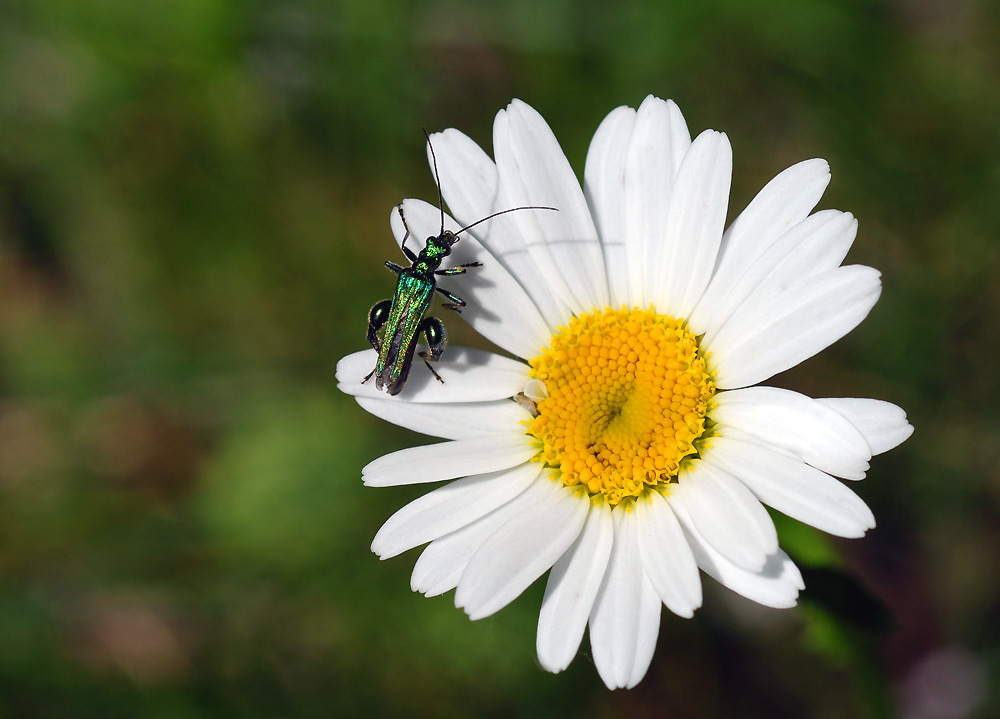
(403, 315)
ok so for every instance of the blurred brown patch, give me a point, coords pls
(133, 635)
(144, 445)
(29, 447)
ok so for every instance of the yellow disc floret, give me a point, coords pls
(627, 395)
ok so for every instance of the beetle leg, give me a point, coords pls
(394, 267)
(437, 339)
(377, 316)
(402, 245)
(458, 269)
(456, 303)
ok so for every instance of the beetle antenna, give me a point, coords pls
(502, 212)
(437, 178)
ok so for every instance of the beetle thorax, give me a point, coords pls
(437, 248)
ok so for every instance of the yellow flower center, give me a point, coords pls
(627, 396)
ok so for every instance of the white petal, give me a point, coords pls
(468, 376)
(776, 585)
(680, 137)
(883, 424)
(656, 148)
(760, 341)
(534, 171)
(519, 239)
(460, 420)
(440, 565)
(626, 617)
(726, 514)
(693, 232)
(783, 202)
(549, 521)
(468, 176)
(535, 390)
(796, 424)
(497, 306)
(793, 488)
(449, 508)
(666, 556)
(604, 188)
(798, 452)
(571, 590)
(817, 244)
(471, 188)
(477, 194)
(448, 460)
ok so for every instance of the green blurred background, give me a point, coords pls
(194, 203)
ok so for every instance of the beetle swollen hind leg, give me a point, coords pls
(377, 317)
(437, 339)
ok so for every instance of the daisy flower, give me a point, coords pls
(628, 446)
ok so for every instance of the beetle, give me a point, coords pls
(403, 317)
